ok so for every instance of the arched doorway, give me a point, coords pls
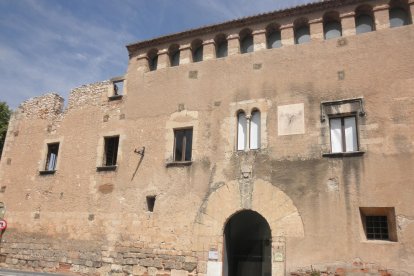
(247, 245)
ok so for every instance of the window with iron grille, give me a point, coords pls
(111, 150)
(51, 158)
(183, 140)
(379, 223)
(377, 227)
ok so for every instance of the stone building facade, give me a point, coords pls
(277, 144)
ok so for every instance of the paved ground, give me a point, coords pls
(7, 272)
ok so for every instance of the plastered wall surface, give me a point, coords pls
(80, 220)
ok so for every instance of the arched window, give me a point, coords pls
(174, 54)
(152, 59)
(332, 27)
(273, 37)
(241, 130)
(221, 46)
(302, 31)
(399, 13)
(246, 41)
(364, 20)
(255, 130)
(197, 50)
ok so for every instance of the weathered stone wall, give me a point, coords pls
(87, 221)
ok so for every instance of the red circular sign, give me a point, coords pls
(3, 224)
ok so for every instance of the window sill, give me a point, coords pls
(178, 164)
(385, 242)
(115, 97)
(47, 172)
(343, 154)
(106, 168)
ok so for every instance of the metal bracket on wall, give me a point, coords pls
(360, 100)
(141, 151)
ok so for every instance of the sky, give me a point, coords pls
(57, 45)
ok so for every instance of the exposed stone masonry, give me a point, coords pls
(90, 258)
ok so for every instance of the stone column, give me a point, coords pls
(287, 35)
(259, 40)
(185, 54)
(209, 49)
(233, 45)
(316, 30)
(382, 18)
(163, 59)
(248, 118)
(348, 24)
(142, 61)
(411, 3)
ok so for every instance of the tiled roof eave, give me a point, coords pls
(298, 10)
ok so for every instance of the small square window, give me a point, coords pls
(111, 151)
(51, 158)
(343, 132)
(183, 139)
(379, 223)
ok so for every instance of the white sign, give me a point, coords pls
(212, 255)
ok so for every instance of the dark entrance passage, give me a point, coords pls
(247, 249)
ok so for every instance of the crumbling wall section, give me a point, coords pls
(47, 106)
(94, 94)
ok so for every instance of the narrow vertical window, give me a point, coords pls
(221, 46)
(111, 151)
(255, 130)
(343, 132)
(51, 158)
(351, 143)
(150, 203)
(336, 135)
(246, 41)
(197, 50)
(241, 131)
(183, 144)
(332, 27)
(153, 63)
(174, 55)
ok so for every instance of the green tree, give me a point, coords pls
(5, 113)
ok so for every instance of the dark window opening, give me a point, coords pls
(399, 17)
(183, 144)
(332, 29)
(111, 150)
(150, 203)
(51, 158)
(364, 20)
(302, 34)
